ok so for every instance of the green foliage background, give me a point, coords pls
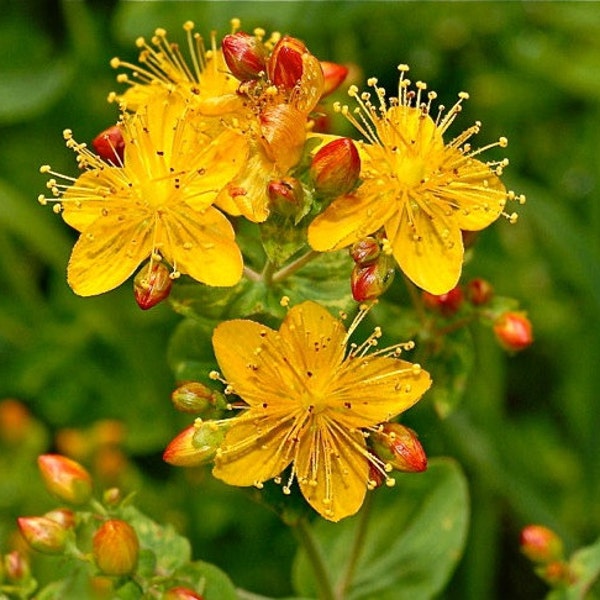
(526, 430)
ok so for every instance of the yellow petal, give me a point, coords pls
(332, 470)
(107, 253)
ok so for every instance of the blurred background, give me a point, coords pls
(91, 378)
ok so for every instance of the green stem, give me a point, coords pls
(357, 548)
(416, 300)
(294, 266)
(251, 274)
(315, 558)
(267, 272)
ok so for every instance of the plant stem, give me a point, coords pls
(294, 266)
(267, 272)
(315, 558)
(416, 300)
(251, 274)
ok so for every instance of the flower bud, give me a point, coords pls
(43, 534)
(283, 129)
(16, 567)
(196, 445)
(369, 282)
(182, 593)
(110, 145)
(333, 75)
(63, 516)
(447, 304)
(15, 422)
(286, 196)
(112, 497)
(245, 55)
(116, 548)
(513, 331)
(152, 284)
(479, 291)
(540, 544)
(557, 574)
(399, 446)
(193, 397)
(365, 251)
(285, 66)
(65, 478)
(335, 168)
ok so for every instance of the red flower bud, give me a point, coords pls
(65, 478)
(63, 516)
(335, 168)
(372, 280)
(286, 196)
(513, 330)
(116, 548)
(182, 593)
(285, 65)
(447, 304)
(557, 574)
(540, 544)
(333, 75)
(245, 55)
(365, 251)
(16, 567)
(110, 145)
(399, 446)
(479, 291)
(196, 445)
(43, 534)
(152, 284)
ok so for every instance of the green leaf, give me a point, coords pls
(282, 238)
(208, 580)
(413, 541)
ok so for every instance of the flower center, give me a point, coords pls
(409, 171)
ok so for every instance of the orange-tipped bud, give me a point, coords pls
(283, 129)
(182, 593)
(116, 548)
(196, 445)
(400, 447)
(447, 304)
(479, 291)
(152, 284)
(540, 544)
(110, 145)
(194, 397)
(513, 331)
(365, 251)
(335, 168)
(333, 75)
(65, 478)
(372, 280)
(15, 422)
(43, 534)
(16, 567)
(245, 55)
(285, 66)
(63, 516)
(286, 196)
(557, 574)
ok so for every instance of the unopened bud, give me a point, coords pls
(15, 422)
(112, 496)
(245, 55)
(335, 168)
(65, 478)
(333, 75)
(369, 282)
(116, 548)
(479, 291)
(194, 397)
(16, 567)
(283, 133)
(557, 574)
(63, 516)
(447, 304)
(196, 445)
(399, 446)
(286, 196)
(540, 544)
(182, 593)
(110, 145)
(513, 331)
(152, 284)
(285, 66)
(365, 251)
(43, 534)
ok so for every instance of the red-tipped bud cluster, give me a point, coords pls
(182, 593)
(479, 291)
(333, 75)
(399, 446)
(65, 478)
(116, 548)
(245, 55)
(193, 397)
(286, 196)
(286, 65)
(365, 251)
(335, 168)
(152, 284)
(513, 331)
(540, 544)
(110, 145)
(43, 534)
(447, 304)
(196, 445)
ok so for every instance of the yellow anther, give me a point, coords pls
(188, 25)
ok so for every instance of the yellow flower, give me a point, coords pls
(157, 203)
(421, 191)
(311, 400)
